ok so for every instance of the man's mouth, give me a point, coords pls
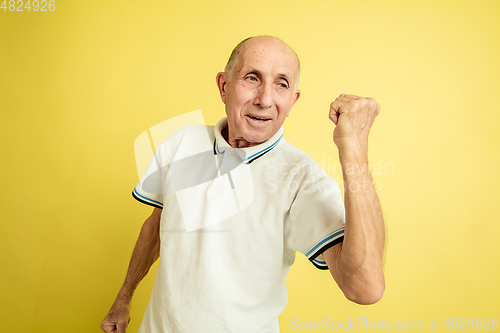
(263, 119)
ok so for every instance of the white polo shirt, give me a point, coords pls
(232, 221)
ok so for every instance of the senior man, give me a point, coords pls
(230, 276)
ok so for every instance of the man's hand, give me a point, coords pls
(117, 319)
(353, 117)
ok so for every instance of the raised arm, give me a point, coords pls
(146, 252)
(356, 263)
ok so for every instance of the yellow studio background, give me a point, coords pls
(79, 84)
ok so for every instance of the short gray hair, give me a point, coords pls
(233, 58)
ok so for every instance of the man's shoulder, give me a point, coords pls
(189, 139)
(290, 153)
(188, 130)
(294, 162)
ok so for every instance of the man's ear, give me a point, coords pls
(295, 98)
(221, 84)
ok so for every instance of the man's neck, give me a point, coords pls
(236, 143)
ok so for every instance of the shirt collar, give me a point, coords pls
(249, 154)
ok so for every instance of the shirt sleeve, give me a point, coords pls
(150, 188)
(316, 218)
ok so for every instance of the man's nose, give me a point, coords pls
(265, 96)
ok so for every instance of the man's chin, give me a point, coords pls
(255, 138)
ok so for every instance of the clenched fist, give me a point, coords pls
(117, 319)
(353, 117)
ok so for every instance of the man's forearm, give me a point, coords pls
(146, 252)
(360, 258)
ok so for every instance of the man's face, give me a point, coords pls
(260, 92)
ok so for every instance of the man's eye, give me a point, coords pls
(252, 78)
(283, 85)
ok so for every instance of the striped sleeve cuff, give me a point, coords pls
(144, 199)
(314, 254)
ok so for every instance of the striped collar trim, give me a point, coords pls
(249, 154)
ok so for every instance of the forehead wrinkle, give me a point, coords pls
(250, 67)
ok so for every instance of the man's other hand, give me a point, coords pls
(353, 117)
(117, 319)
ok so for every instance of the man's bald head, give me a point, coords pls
(233, 59)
